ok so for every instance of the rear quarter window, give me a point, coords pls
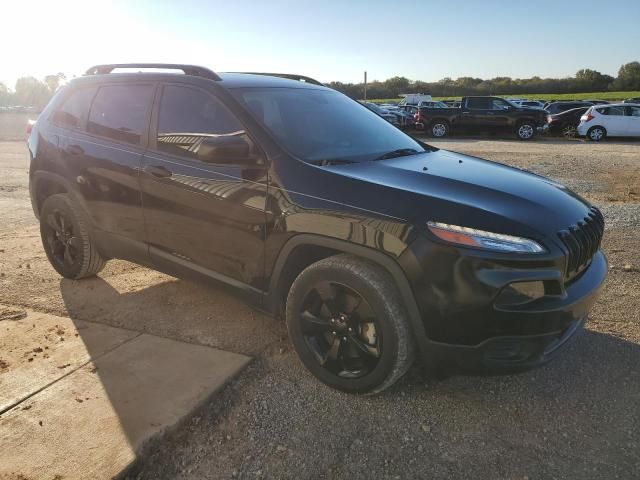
(120, 112)
(74, 108)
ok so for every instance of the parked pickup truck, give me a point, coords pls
(482, 114)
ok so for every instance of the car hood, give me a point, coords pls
(459, 189)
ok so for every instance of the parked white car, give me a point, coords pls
(617, 120)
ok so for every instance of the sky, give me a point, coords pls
(325, 39)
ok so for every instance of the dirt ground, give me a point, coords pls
(578, 417)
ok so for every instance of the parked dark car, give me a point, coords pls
(632, 100)
(559, 107)
(482, 114)
(566, 123)
(376, 248)
(395, 115)
(387, 115)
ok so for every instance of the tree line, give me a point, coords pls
(584, 81)
(32, 92)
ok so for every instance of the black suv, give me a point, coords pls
(554, 108)
(374, 246)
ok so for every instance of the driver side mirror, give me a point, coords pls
(234, 149)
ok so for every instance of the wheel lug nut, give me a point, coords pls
(351, 329)
(344, 339)
(335, 333)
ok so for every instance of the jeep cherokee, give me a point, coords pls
(375, 247)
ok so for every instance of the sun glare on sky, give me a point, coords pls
(70, 36)
(328, 40)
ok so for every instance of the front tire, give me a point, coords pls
(66, 239)
(348, 325)
(525, 131)
(597, 133)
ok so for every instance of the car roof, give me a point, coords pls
(573, 110)
(617, 105)
(227, 80)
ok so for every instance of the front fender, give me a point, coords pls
(386, 261)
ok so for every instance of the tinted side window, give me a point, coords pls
(188, 117)
(499, 104)
(74, 108)
(120, 112)
(613, 111)
(479, 103)
(634, 111)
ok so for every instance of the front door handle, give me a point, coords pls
(158, 171)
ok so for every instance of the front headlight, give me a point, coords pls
(481, 239)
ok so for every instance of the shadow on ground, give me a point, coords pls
(577, 417)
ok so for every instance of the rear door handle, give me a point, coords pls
(158, 171)
(75, 150)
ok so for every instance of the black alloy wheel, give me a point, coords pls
(348, 324)
(67, 240)
(63, 242)
(340, 329)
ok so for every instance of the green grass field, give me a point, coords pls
(609, 96)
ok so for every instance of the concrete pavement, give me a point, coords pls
(78, 399)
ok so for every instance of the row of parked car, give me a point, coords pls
(593, 119)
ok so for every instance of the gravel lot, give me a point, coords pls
(577, 417)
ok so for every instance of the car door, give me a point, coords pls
(614, 120)
(102, 155)
(633, 121)
(499, 118)
(204, 189)
(477, 114)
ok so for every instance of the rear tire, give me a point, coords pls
(349, 326)
(439, 129)
(597, 133)
(66, 240)
(569, 131)
(525, 130)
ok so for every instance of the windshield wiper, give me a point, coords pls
(325, 162)
(401, 152)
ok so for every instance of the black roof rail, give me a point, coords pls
(192, 70)
(290, 76)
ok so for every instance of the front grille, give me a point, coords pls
(582, 241)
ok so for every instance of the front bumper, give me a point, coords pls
(500, 355)
(532, 332)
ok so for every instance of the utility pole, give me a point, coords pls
(365, 85)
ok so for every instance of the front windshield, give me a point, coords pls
(323, 125)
